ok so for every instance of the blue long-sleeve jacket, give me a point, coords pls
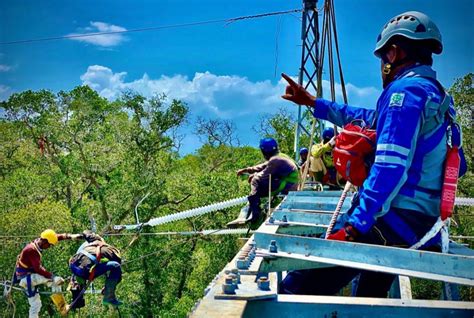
(411, 145)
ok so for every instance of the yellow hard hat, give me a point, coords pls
(50, 236)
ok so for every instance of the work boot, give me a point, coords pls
(241, 220)
(109, 293)
(254, 208)
(60, 303)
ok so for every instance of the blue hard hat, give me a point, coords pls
(303, 150)
(328, 133)
(268, 145)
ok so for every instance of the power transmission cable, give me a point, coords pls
(190, 24)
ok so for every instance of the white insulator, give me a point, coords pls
(196, 211)
(464, 201)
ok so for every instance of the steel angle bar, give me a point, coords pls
(314, 199)
(455, 248)
(301, 230)
(456, 269)
(303, 217)
(292, 194)
(280, 264)
(326, 205)
(334, 306)
(290, 223)
(305, 210)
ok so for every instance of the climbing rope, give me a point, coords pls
(339, 205)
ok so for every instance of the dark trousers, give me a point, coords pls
(328, 281)
(113, 268)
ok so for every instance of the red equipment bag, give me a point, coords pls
(354, 151)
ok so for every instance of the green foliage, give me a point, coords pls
(282, 127)
(73, 157)
(26, 224)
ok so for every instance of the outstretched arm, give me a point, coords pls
(68, 236)
(338, 114)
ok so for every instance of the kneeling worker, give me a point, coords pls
(278, 169)
(95, 258)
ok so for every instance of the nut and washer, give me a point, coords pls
(272, 248)
(263, 283)
(228, 287)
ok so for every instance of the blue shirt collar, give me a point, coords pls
(415, 71)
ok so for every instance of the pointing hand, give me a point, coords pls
(296, 93)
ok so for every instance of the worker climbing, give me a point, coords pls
(95, 258)
(399, 201)
(30, 274)
(278, 170)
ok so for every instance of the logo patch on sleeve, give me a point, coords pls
(396, 100)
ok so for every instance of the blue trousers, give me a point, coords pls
(113, 268)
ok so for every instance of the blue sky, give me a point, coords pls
(221, 71)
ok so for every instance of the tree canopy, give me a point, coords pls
(73, 160)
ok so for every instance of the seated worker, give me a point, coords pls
(322, 165)
(400, 200)
(30, 273)
(278, 167)
(304, 161)
(303, 157)
(95, 258)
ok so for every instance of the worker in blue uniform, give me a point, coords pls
(278, 171)
(400, 199)
(303, 157)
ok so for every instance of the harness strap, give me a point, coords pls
(98, 256)
(430, 234)
(291, 178)
(89, 255)
(434, 113)
(30, 291)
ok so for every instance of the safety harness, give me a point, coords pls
(23, 271)
(437, 114)
(95, 259)
(292, 178)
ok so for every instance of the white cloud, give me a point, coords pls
(103, 40)
(223, 96)
(5, 92)
(210, 95)
(5, 68)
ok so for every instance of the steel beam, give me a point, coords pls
(340, 307)
(456, 269)
(302, 217)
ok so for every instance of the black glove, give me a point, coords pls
(90, 236)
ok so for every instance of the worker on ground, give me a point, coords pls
(399, 201)
(95, 258)
(279, 169)
(30, 273)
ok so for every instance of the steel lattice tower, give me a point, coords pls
(309, 66)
